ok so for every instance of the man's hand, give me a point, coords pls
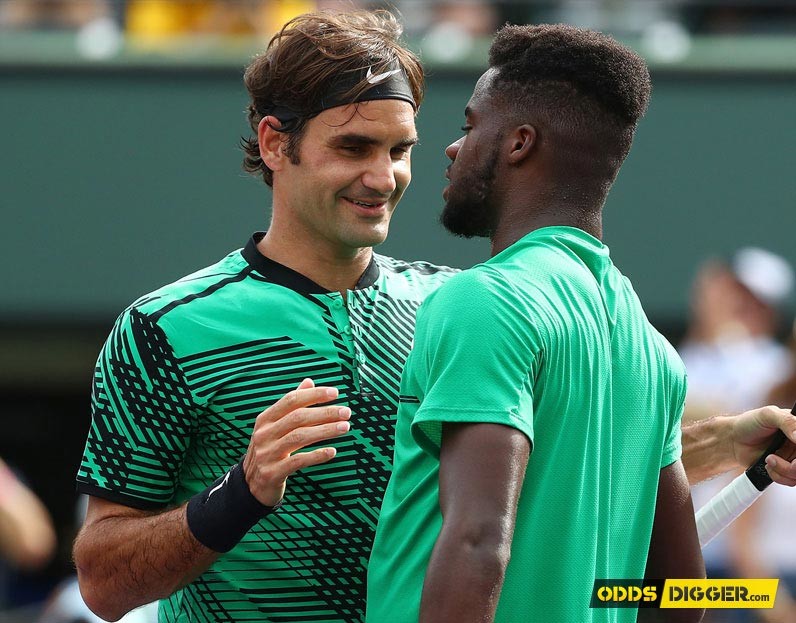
(289, 425)
(751, 433)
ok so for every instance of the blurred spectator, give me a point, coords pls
(451, 28)
(733, 362)
(784, 394)
(734, 18)
(732, 356)
(27, 537)
(158, 20)
(52, 14)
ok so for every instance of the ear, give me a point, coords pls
(523, 141)
(271, 143)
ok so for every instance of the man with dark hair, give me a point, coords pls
(181, 384)
(538, 435)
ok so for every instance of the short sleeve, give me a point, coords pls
(477, 354)
(143, 415)
(673, 446)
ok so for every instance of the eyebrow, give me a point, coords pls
(361, 139)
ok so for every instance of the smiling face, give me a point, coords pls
(470, 208)
(352, 169)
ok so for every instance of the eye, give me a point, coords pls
(399, 153)
(352, 149)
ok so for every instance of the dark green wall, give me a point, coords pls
(115, 181)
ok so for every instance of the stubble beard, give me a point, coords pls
(470, 213)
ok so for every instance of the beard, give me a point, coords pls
(468, 210)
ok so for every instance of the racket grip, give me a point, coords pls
(756, 473)
(722, 509)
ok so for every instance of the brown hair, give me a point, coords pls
(302, 61)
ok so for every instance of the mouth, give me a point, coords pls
(372, 208)
(447, 188)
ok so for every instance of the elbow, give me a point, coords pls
(101, 604)
(94, 589)
(488, 545)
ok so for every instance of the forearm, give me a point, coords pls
(27, 536)
(478, 499)
(463, 581)
(707, 448)
(124, 562)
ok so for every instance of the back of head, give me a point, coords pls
(317, 60)
(587, 89)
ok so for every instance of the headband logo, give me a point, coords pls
(379, 77)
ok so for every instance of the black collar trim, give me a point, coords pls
(289, 278)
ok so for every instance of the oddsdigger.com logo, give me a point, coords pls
(684, 593)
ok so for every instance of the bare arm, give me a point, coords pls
(674, 547)
(126, 557)
(482, 467)
(27, 536)
(722, 443)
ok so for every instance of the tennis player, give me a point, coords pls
(538, 437)
(184, 376)
(184, 468)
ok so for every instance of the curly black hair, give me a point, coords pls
(597, 66)
(585, 84)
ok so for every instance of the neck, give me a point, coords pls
(511, 227)
(334, 270)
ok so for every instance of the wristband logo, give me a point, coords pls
(218, 486)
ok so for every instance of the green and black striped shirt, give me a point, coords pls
(177, 388)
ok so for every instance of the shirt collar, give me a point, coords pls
(282, 275)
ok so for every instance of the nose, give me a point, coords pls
(380, 176)
(452, 150)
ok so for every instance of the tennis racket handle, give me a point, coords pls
(722, 509)
(756, 473)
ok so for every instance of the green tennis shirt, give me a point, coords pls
(549, 338)
(177, 388)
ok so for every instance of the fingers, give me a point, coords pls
(775, 417)
(305, 395)
(289, 425)
(304, 428)
(781, 471)
(294, 411)
(267, 479)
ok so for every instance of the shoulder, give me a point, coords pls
(487, 287)
(198, 285)
(175, 312)
(480, 298)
